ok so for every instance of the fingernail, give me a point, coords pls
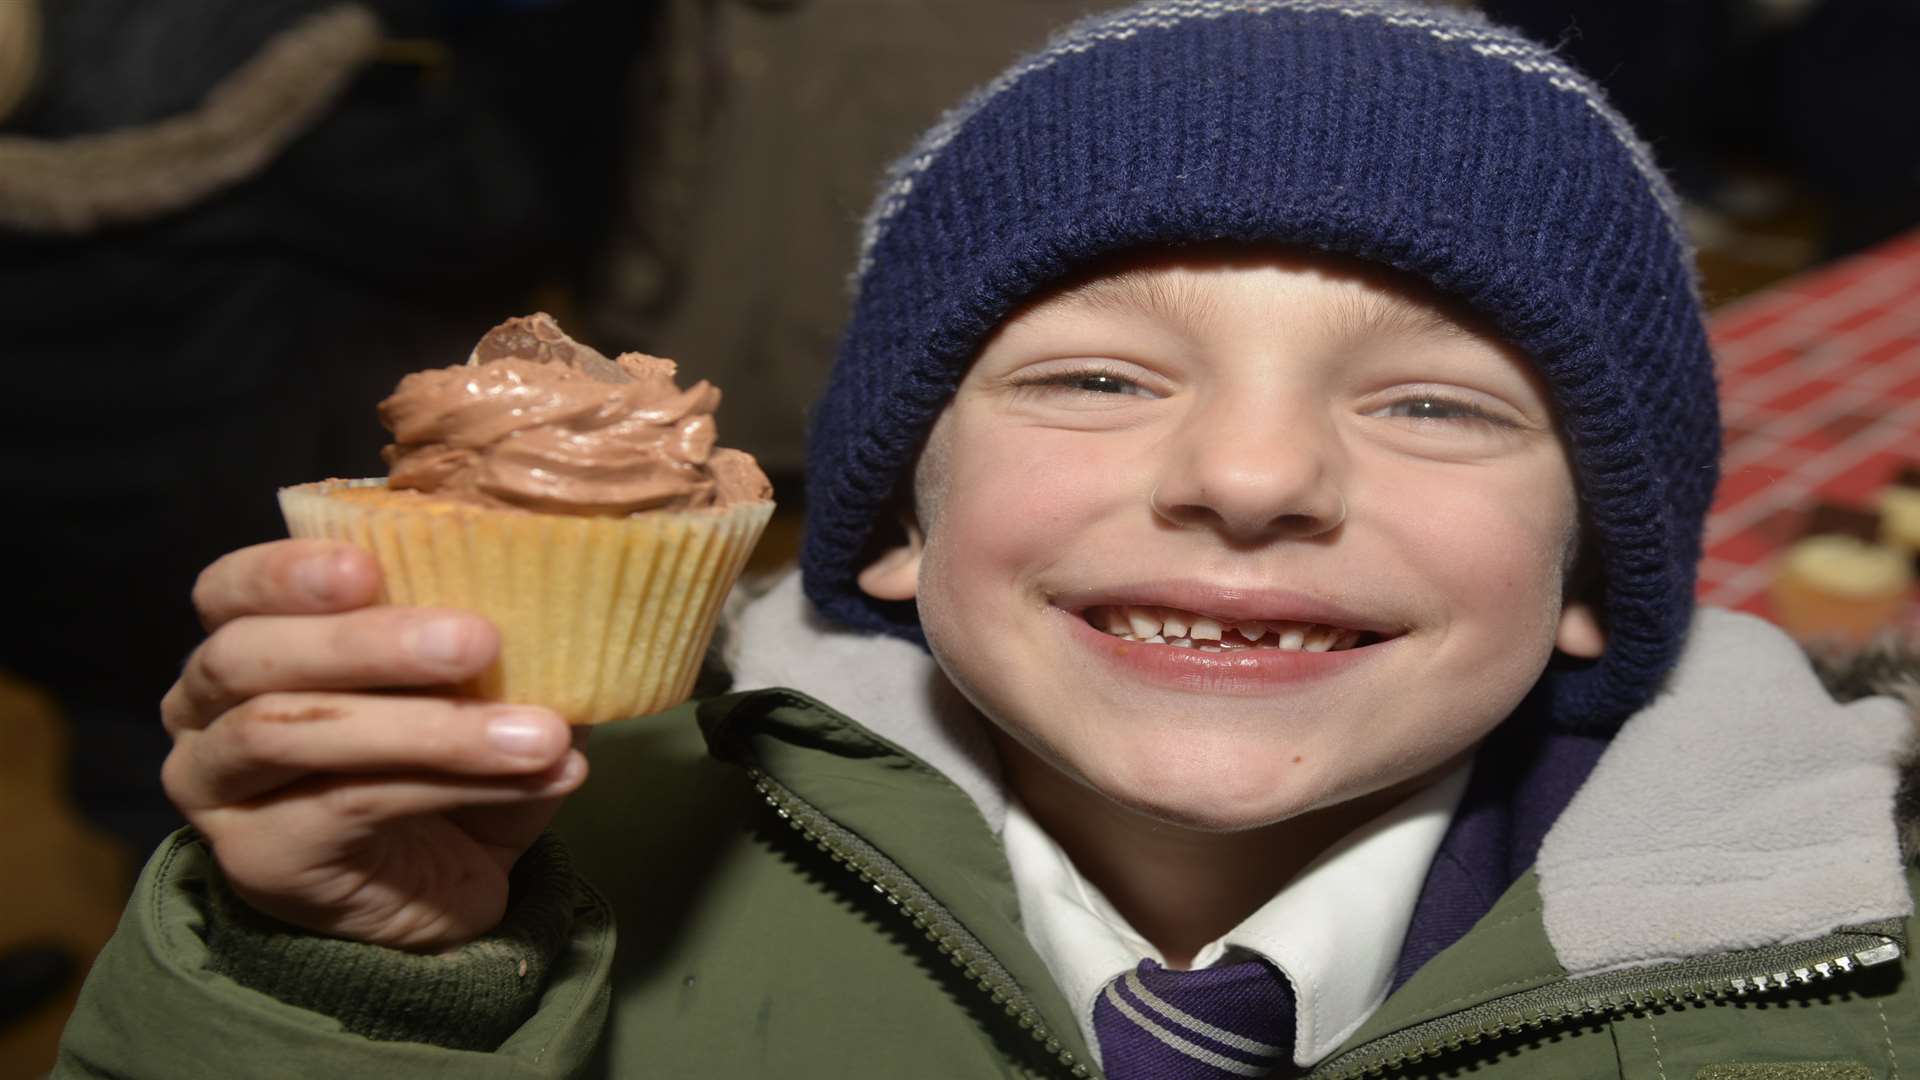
(315, 577)
(571, 770)
(524, 734)
(440, 641)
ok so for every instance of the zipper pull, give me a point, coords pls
(1887, 950)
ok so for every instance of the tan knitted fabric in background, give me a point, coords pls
(84, 182)
(19, 52)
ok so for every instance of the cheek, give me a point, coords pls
(1008, 508)
(972, 535)
(1012, 503)
(1495, 548)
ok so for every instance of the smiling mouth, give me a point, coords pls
(1158, 625)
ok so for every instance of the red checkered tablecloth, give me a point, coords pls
(1820, 387)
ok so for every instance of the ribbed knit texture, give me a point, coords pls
(1423, 140)
(469, 999)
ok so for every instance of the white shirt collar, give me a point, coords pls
(1335, 930)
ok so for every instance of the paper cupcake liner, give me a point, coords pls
(600, 618)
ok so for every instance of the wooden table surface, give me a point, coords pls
(62, 882)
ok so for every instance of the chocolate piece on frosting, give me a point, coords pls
(538, 337)
(538, 421)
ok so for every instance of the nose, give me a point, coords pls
(1253, 473)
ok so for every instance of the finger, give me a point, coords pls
(277, 739)
(313, 821)
(285, 577)
(355, 650)
(506, 832)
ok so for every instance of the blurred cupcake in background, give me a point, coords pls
(1839, 584)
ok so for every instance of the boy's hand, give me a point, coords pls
(386, 817)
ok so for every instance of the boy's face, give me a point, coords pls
(1235, 445)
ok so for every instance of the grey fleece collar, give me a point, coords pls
(889, 685)
(1742, 808)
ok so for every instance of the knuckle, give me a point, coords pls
(214, 587)
(180, 778)
(176, 712)
(254, 729)
(213, 666)
(206, 590)
(384, 640)
(376, 631)
(351, 803)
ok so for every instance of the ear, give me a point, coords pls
(895, 575)
(1580, 634)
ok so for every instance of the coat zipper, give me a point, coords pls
(1621, 993)
(927, 914)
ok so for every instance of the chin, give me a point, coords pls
(1210, 799)
(1209, 819)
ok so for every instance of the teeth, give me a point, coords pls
(1166, 626)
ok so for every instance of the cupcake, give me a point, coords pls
(578, 502)
(1838, 583)
(1900, 512)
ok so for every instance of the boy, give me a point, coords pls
(1288, 427)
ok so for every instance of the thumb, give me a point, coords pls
(507, 830)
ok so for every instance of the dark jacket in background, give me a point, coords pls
(174, 359)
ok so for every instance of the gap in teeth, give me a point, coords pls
(1186, 630)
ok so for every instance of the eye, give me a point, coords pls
(1101, 383)
(1088, 381)
(1437, 407)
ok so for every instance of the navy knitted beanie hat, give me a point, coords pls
(1423, 139)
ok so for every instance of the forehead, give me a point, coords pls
(1350, 298)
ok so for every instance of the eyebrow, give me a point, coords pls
(1360, 316)
(1173, 299)
(1353, 316)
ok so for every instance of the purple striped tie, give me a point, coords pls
(1234, 1019)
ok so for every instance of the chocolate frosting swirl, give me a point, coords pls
(538, 421)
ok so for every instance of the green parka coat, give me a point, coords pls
(796, 896)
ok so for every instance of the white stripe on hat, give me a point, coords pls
(1080, 37)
